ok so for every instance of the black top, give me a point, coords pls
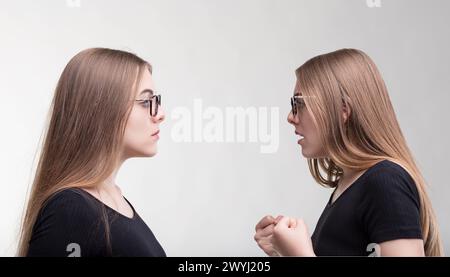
(72, 223)
(381, 205)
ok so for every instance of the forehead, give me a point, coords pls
(297, 89)
(146, 85)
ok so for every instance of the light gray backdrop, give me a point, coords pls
(203, 199)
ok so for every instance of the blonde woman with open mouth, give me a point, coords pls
(351, 138)
(104, 111)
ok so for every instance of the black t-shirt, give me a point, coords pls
(72, 222)
(381, 205)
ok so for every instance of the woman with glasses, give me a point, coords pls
(350, 135)
(104, 111)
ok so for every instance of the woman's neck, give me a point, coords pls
(109, 185)
(348, 177)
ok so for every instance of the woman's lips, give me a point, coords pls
(302, 138)
(156, 134)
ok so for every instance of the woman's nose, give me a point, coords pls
(291, 118)
(160, 116)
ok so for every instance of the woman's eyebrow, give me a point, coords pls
(146, 91)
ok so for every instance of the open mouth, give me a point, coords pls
(300, 135)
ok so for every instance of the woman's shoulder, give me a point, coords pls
(66, 194)
(70, 202)
(387, 169)
(68, 216)
(68, 209)
(390, 203)
(387, 178)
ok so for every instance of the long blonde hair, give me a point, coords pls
(88, 115)
(348, 78)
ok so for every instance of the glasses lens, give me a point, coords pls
(154, 104)
(293, 106)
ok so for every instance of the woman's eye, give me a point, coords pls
(145, 103)
(300, 105)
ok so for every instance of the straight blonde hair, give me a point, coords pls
(348, 78)
(83, 140)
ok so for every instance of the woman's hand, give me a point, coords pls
(264, 233)
(290, 237)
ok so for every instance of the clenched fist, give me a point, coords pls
(264, 234)
(284, 236)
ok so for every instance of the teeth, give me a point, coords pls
(299, 135)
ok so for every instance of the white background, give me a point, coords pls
(203, 199)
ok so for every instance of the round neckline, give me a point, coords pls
(358, 180)
(110, 208)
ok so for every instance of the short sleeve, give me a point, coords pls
(390, 206)
(66, 223)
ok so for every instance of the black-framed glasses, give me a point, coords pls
(153, 103)
(297, 104)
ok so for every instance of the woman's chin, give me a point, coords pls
(312, 156)
(151, 152)
(308, 154)
(146, 153)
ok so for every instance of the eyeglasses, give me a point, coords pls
(153, 103)
(297, 104)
